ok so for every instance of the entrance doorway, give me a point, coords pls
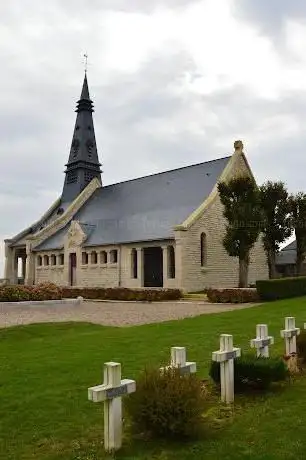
(72, 268)
(153, 267)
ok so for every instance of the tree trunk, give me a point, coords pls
(299, 264)
(243, 272)
(300, 250)
(271, 264)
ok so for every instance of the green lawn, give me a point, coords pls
(45, 371)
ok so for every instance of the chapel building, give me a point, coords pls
(162, 230)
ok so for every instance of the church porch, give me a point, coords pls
(144, 265)
(15, 264)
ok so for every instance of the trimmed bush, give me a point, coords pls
(235, 295)
(167, 404)
(39, 292)
(124, 294)
(282, 288)
(252, 373)
(301, 346)
(50, 291)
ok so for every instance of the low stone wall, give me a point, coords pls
(43, 303)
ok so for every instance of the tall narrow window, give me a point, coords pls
(134, 263)
(84, 258)
(171, 261)
(53, 259)
(46, 260)
(114, 256)
(203, 249)
(103, 257)
(94, 258)
(61, 259)
(39, 261)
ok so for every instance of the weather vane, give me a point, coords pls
(86, 61)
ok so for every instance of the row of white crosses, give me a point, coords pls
(113, 388)
(227, 353)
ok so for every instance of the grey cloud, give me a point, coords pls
(270, 15)
(123, 5)
(18, 9)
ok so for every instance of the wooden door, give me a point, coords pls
(153, 267)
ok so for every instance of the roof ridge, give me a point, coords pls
(166, 171)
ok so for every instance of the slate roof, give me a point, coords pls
(143, 209)
(287, 256)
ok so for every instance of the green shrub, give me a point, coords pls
(50, 291)
(234, 295)
(301, 346)
(252, 373)
(14, 294)
(167, 404)
(39, 292)
(282, 288)
(124, 294)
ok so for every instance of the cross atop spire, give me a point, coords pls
(86, 61)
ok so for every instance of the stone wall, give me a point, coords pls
(220, 270)
(92, 271)
(49, 274)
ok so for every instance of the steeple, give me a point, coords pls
(83, 163)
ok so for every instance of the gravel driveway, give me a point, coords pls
(110, 313)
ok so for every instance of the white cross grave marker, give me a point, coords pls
(110, 393)
(178, 360)
(289, 334)
(262, 341)
(225, 356)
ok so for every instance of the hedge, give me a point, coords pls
(235, 295)
(50, 291)
(252, 373)
(281, 288)
(39, 292)
(124, 294)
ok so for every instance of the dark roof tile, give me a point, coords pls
(146, 208)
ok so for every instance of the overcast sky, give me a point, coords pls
(174, 82)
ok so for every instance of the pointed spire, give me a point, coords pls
(85, 103)
(85, 90)
(83, 163)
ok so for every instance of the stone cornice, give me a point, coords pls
(226, 175)
(45, 216)
(64, 219)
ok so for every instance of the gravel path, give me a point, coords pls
(110, 313)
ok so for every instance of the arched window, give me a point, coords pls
(103, 257)
(46, 260)
(61, 259)
(171, 261)
(84, 258)
(39, 261)
(53, 259)
(134, 264)
(203, 249)
(94, 258)
(114, 256)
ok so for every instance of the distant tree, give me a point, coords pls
(275, 226)
(297, 207)
(240, 199)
